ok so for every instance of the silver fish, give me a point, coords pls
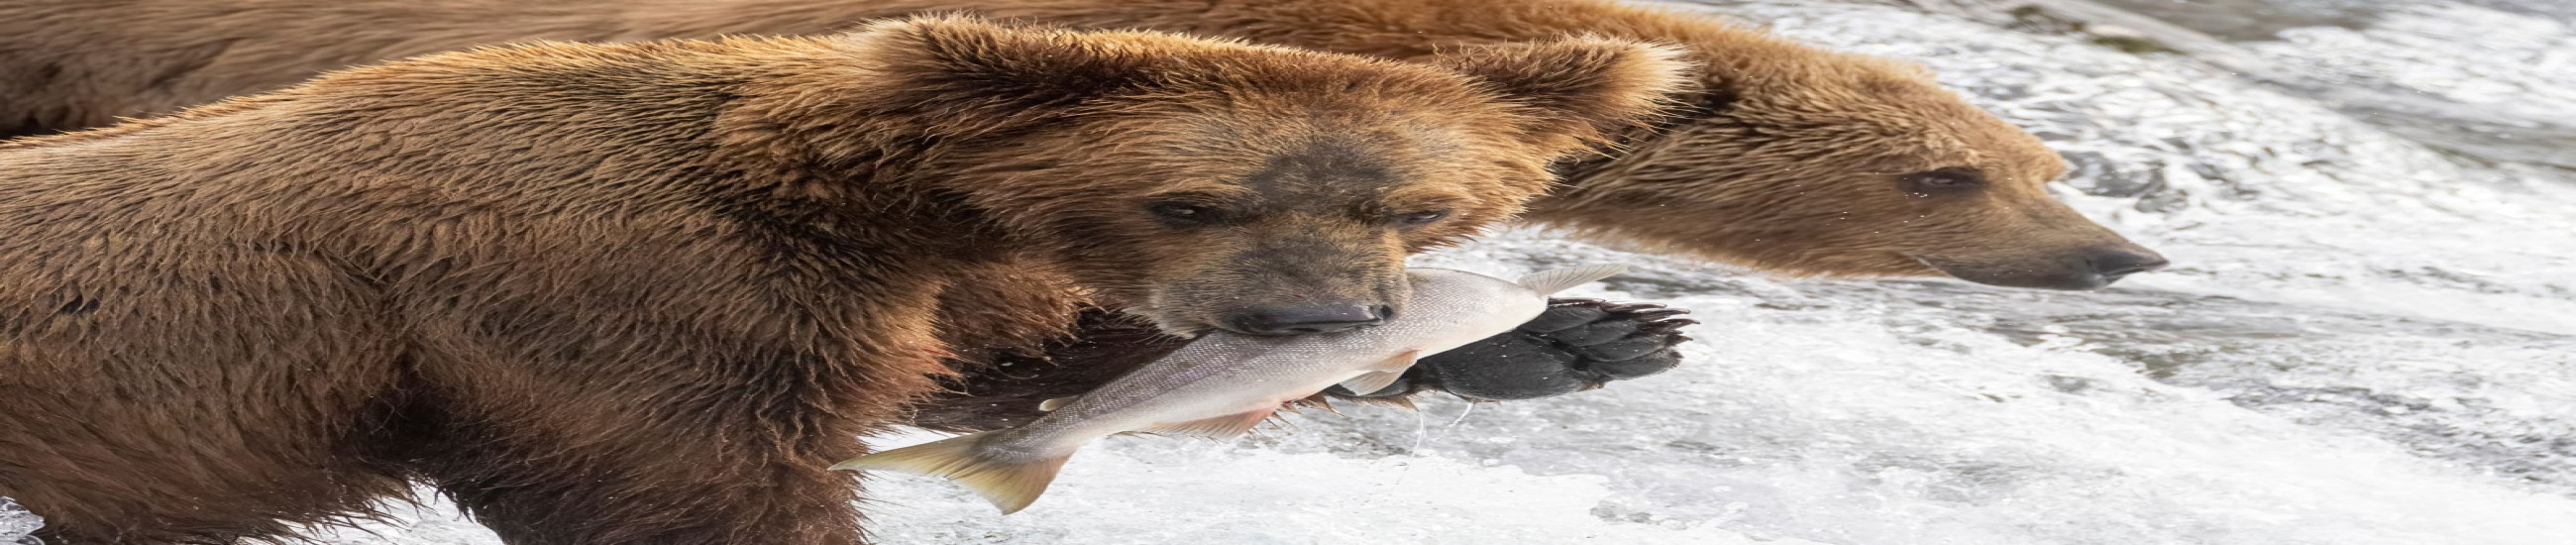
(1223, 384)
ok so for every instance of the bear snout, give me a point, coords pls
(2116, 262)
(2085, 268)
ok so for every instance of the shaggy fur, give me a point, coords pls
(1797, 160)
(646, 293)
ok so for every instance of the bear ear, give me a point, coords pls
(964, 58)
(1587, 86)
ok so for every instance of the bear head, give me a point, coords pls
(1215, 185)
(1813, 162)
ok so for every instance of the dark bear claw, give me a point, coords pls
(1578, 344)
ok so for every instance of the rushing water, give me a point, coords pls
(16, 523)
(2369, 335)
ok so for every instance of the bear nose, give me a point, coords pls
(1301, 320)
(2113, 263)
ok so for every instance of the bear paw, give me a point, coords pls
(1578, 344)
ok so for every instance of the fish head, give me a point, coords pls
(1459, 307)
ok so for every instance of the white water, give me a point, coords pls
(16, 523)
(2365, 340)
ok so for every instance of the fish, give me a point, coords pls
(1222, 384)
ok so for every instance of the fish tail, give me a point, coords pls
(1010, 485)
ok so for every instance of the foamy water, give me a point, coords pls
(2365, 339)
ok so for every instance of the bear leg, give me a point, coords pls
(116, 477)
(180, 412)
(1578, 344)
(651, 482)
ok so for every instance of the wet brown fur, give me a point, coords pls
(647, 293)
(1796, 162)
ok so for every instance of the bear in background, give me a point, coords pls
(646, 293)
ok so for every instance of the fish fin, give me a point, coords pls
(1319, 400)
(1215, 428)
(1550, 281)
(1371, 382)
(1010, 485)
(1399, 362)
(1383, 373)
(1058, 403)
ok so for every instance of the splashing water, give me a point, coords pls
(17, 526)
(2369, 338)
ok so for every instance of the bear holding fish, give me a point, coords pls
(650, 292)
(1223, 384)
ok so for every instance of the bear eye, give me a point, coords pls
(1946, 180)
(1183, 213)
(1420, 218)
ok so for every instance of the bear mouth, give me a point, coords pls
(2040, 275)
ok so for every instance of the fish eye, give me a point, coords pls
(1942, 181)
(1409, 219)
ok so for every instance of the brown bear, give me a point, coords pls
(1795, 159)
(646, 293)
